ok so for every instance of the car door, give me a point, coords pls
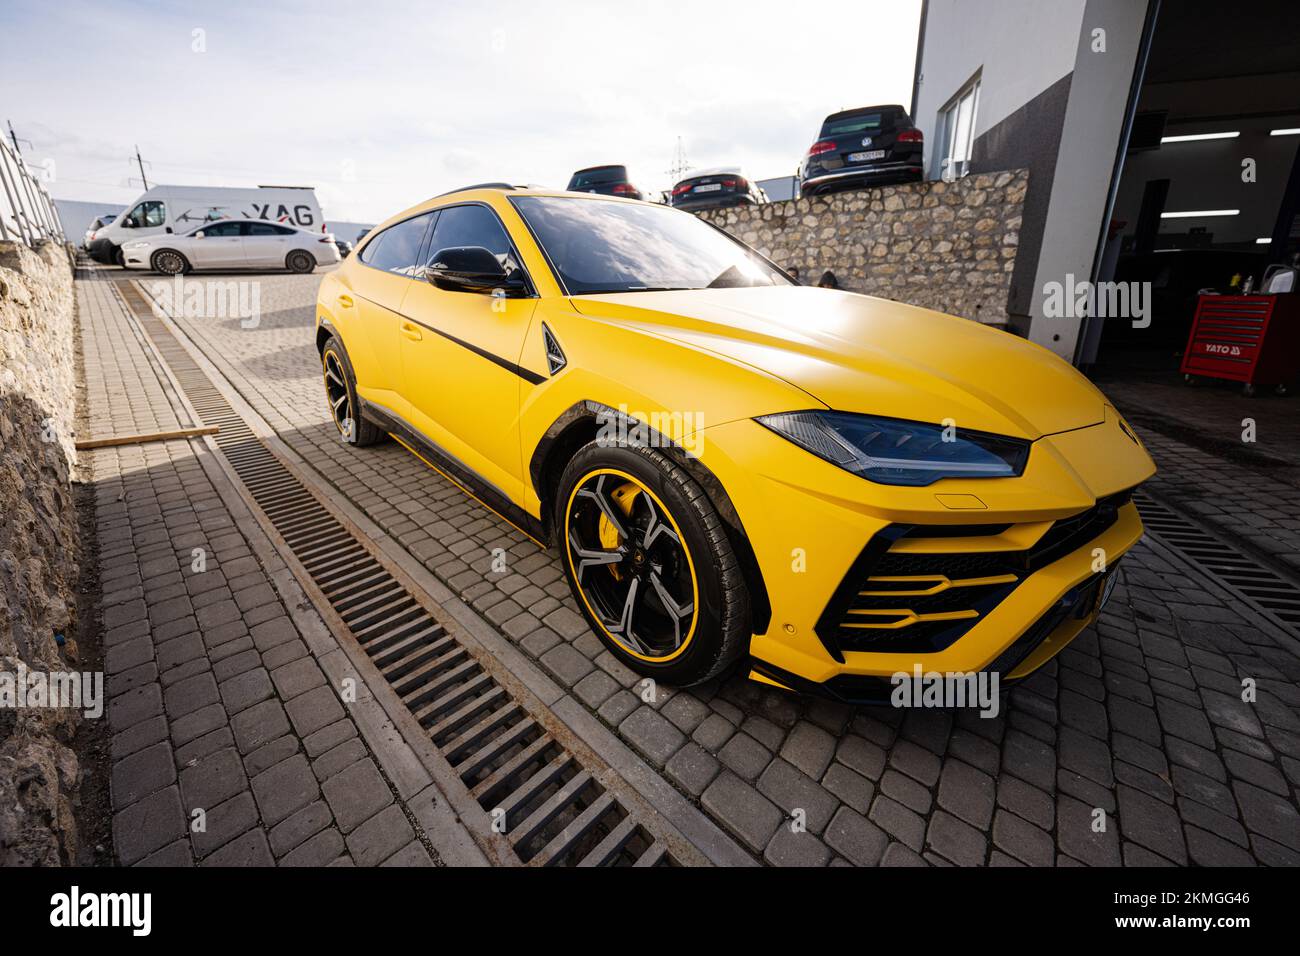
(264, 244)
(460, 354)
(369, 300)
(216, 246)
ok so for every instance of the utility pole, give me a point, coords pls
(680, 165)
(140, 161)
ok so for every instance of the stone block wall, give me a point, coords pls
(945, 246)
(39, 773)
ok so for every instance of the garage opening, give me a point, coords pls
(1208, 201)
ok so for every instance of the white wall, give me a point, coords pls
(1094, 120)
(1022, 46)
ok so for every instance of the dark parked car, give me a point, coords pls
(714, 188)
(606, 180)
(344, 246)
(862, 147)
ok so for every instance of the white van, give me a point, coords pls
(168, 209)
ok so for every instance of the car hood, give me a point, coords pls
(857, 353)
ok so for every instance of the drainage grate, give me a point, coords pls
(553, 810)
(1259, 586)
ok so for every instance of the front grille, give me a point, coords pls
(896, 602)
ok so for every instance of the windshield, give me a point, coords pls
(602, 246)
(598, 177)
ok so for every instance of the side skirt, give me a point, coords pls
(451, 468)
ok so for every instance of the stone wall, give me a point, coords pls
(39, 773)
(945, 246)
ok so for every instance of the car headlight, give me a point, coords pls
(892, 451)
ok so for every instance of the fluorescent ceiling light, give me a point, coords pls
(1285, 132)
(1200, 213)
(1195, 136)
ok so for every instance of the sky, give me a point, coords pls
(381, 105)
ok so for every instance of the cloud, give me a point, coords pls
(384, 109)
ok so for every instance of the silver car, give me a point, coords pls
(233, 245)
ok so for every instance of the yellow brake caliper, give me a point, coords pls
(624, 496)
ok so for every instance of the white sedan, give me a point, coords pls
(233, 244)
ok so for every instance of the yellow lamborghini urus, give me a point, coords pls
(826, 487)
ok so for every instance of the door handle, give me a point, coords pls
(412, 332)
(345, 301)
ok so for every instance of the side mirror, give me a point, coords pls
(470, 269)
(199, 234)
(169, 229)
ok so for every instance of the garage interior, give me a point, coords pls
(1208, 194)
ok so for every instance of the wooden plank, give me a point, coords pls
(148, 437)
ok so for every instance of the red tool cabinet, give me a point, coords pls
(1254, 339)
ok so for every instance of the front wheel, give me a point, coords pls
(168, 262)
(650, 565)
(341, 396)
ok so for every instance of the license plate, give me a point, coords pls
(867, 156)
(710, 188)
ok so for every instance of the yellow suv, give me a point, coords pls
(829, 487)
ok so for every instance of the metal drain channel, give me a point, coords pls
(553, 810)
(1267, 592)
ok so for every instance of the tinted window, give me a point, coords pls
(262, 229)
(472, 226)
(220, 229)
(598, 246)
(864, 122)
(397, 248)
(596, 177)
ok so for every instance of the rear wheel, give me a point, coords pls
(341, 396)
(169, 262)
(650, 565)
(299, 261)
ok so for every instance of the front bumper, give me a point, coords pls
(102, 250)
(819, 533)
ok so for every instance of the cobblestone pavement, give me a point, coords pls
(1249, 491)
(1141, 717)
(229, 742)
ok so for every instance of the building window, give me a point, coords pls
(957, 133)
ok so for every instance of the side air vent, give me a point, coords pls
(555, 359)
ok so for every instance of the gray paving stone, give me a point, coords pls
(251, 849)
(259, 724)
(284, 788)
(856, 838)
(742, 810)
(803, 849)
(745, 755)
(906, 826)
(966, 793)
(810, 748)
(648, 731)
(379, 837)
(692, 768)
(148, 825)
(212, 779)
(299, 826)
(356, 794)
(1023, 840)
(852, 788)
(243, 691)
(313, 710)
(792, 791)
(141, 774)
(224, 822)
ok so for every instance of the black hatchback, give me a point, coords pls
(862, 147)
(605, 180)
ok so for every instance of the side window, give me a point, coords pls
(397, 249)
(260, 229)
(150, 213)
(472, 226)
(221, 229)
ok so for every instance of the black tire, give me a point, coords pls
(169, 262)
(118, 257)
(721, 627)
(300, 261)
(341, 398)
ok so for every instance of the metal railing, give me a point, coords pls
(27, 213)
